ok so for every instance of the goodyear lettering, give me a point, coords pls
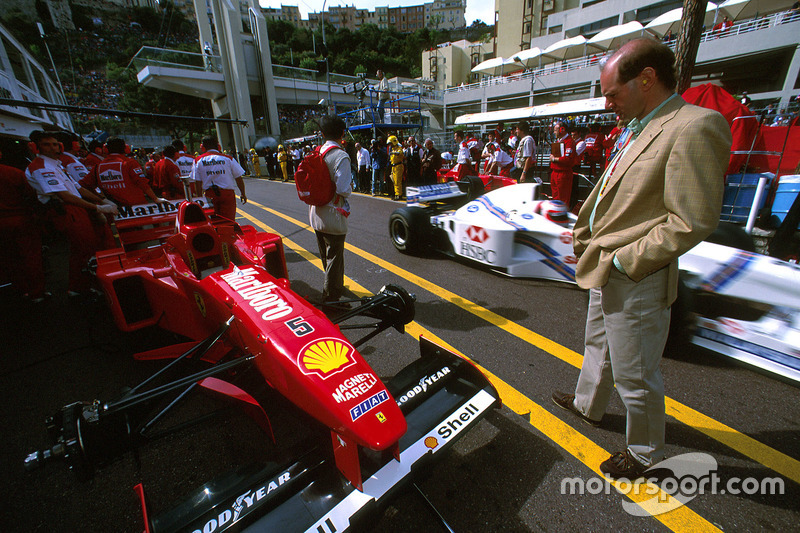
(257, 293)
(456, 420)
(242, 505)
(367, 405)
(353, 387)
(476, 252)
(424, 383)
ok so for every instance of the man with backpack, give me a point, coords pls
(330, 219)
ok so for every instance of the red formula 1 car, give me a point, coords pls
(224, 287)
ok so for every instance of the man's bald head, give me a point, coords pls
(636, 55)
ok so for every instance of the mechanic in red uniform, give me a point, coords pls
(94, 156)
(593, 155)
(167, 175)
(120, 177)
(562, 159)
(70, 159)
(464, 165)
(218, 174)
(150, 168)
(73, 210)
(20, 235)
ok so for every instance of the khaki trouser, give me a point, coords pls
(626, 331)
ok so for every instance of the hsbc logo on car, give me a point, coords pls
(476, 234)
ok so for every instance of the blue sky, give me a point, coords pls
(476, 9)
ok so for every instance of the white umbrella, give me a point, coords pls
(671, 21)
(496, 66)
(745, 9)
(529, 58)
(565, 49)
(616, 35)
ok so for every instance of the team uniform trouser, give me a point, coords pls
(465, 169)
(561, 185)
(85, 237)
(331, 251)
(285, 170)
(224, 202)
(626, 331)
(397, 179)
(21, 254)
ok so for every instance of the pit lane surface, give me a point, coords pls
(506, 475)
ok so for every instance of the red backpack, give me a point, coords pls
(313, 180)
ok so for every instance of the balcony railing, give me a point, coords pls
(591, 60)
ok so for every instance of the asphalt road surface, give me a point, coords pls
(507, 474)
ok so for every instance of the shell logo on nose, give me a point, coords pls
(325, 357)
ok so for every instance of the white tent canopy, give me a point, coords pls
(565, 49)
(529, 58)
(496, 66)
(616, 35)
(744, 9)
(671, 21)
(572, 107)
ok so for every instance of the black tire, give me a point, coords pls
(728, 234)
(473, 186)
(410, 229)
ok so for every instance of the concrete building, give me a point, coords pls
(22, 78)
(439, 14)
(759, 54)
(450, 64)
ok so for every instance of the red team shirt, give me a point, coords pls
(120, 178)
(167, 178)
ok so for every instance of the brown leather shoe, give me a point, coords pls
(567, 402)
(622, 465)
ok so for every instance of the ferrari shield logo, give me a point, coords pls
(381, 417)
(201, 304)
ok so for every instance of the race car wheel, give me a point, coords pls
(473, 186)
(404, 302)
(409, 228)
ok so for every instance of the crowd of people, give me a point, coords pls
(75, 190)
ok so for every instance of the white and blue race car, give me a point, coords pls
(732, 301)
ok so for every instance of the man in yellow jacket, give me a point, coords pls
(397, 161)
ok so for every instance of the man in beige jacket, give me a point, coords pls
(658, 198)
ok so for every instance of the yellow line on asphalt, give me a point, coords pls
(647, 496)
(744, 444)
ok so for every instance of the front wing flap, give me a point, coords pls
(441, 395)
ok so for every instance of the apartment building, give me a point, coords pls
(450, 64)
(759, 53)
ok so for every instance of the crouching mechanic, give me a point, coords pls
(120, 177)
(73, 210)
(330, 221)
(217, 173)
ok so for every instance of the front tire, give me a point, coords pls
(409, 228)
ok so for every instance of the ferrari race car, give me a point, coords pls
(738, 303)
(224, 287)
